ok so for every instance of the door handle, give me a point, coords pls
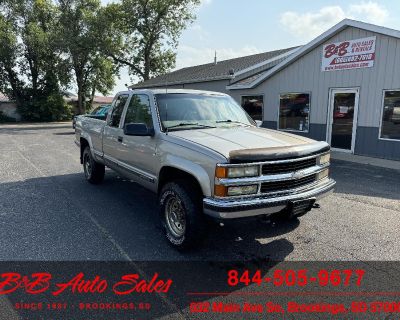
(120, 139)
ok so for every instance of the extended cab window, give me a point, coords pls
(117, 110)
(139, 110)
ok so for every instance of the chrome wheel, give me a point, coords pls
(175, 216)
(87, 165)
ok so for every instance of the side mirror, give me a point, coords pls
(138, 129)
(259, 123)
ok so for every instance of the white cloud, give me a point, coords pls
(191, 56)
(310, 24)
(372, 12)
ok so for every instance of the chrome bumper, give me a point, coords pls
(240, 208)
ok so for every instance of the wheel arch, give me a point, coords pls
(171, 173)
(83, 144)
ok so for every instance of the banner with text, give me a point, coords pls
(349, 54)
(254, 289)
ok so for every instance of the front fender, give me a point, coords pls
(194, 169)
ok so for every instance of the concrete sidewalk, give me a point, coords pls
(383, 163)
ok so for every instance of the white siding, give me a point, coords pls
(305, 75)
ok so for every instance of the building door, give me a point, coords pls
(342, 124)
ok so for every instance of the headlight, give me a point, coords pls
(242, 190)
(324, 158)
(236, 172)
(323, 174)
(240, 172)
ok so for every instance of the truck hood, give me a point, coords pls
(228, 140)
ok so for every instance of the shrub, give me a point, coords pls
(49, 108)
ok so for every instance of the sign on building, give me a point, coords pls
(349, 54)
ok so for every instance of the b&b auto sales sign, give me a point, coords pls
(349, 54)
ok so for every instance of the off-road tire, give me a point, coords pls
(94, 171)
(189, 198)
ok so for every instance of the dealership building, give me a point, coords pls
(343, 87)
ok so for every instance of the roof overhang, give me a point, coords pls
(314, 43)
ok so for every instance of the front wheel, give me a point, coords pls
(94, 171)
(181, 215)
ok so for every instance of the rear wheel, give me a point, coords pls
(94, 171)
(181, 214)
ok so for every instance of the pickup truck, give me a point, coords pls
(204, 157)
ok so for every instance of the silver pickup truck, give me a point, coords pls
(204, 157)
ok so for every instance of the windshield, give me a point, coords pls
(95, 111)
(183, 111)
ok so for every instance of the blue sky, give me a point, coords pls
(236, 28)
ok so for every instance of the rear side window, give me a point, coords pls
(117, 110)
(139, 110)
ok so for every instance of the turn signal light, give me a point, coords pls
(221, 172)
(220, 190)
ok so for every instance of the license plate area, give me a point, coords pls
(300, 207)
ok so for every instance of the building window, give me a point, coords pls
(253, 106)
(390, 128)
(294, 110)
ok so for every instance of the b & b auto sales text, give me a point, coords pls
(38, 283)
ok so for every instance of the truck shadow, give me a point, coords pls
(241, 240)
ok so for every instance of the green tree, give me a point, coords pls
(144, 34)
(32, 67)
(102, 78)
(10, 83)
(82, 35)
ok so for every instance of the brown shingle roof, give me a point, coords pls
(210, 71)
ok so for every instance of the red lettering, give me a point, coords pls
(79, 285)
(339, 50)
(40, 283)
(130, 283)
(10, 283)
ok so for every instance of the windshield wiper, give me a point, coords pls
(183, 124)
(231, 121)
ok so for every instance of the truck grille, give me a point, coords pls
(284, 167)
(286, 184)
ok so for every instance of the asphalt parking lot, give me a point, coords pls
(49, 212)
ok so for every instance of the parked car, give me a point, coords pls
(98, 113)
(205, 158)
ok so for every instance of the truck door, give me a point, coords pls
(138, 154)
(113, 132)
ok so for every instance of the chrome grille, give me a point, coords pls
(284, 167)
(283, 185)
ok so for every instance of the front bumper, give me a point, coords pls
(249, 207)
